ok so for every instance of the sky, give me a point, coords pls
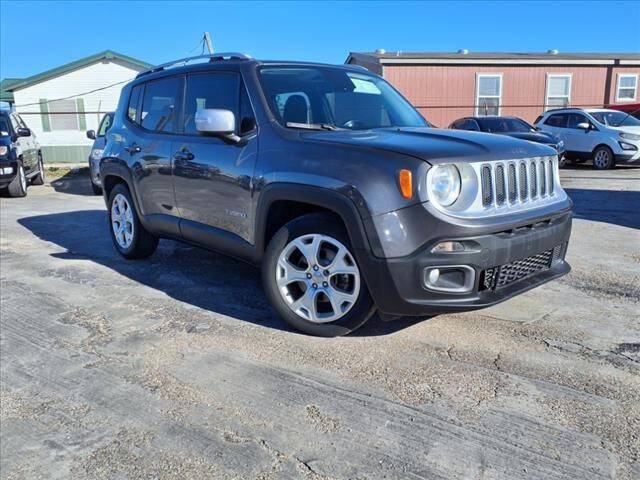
(36, 36)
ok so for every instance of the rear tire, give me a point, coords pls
(563, 161)
(39, 178)
(129, 237)
(603, 158)
(347, 291)
(18, 186)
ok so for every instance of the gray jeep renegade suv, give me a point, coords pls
(333, 182)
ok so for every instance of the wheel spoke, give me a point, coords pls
(339, 298)
(309, 250)
(307, 302)
(289, 274)
(342, 263)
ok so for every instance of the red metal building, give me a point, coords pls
(447, 86)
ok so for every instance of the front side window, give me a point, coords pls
(335, 97)
(558, 120)
(218, 90)
(488, 94)
(105, 125)
(576, 119)
(627, 84)
(495, 125)
(558, 91)
(159, 105)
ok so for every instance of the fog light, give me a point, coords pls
(447, 247)
(627, 146)
(7, 171)
(450, 278)
(434, 275)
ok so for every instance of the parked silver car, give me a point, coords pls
(605, 136)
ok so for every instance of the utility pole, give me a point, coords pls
(207, 39)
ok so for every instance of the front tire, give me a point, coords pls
(39, 178)
(129, 237)
(18, 186)
(603, 158)
(312, 280)
(97, 189)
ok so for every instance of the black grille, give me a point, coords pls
(500, 190)
(487, 190)
(543, 179)
(498, 277)
(533, 181)
(513, 194)
(551, 177)
(523, 181)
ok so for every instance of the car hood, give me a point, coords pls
(5, 140)
(538, 137)
(630, 129)
(436, 145)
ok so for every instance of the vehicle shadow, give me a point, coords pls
(192, 275)
(618, 207)
(73, 183)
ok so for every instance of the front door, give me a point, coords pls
(25, 145)
(581, 140)
(212, 176)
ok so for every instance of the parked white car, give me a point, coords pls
(605, 136)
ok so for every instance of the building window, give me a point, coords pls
(488, 93)
(558, 91)
(66, 114)
(626, 90)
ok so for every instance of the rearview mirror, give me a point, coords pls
(215, 120)
(23, 132)
(91, 134)
(584, 126)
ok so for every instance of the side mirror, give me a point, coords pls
(23, 132)
(584, 126)
(215, 120)
(91, 134)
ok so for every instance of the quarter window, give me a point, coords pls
(159, 105)
(488, 94)
(558, 91)
(134, 102)
(627, 85)
(218, 90)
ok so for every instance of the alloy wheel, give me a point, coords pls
(23, 178)
(122, 221)
(601, 158)
(318, 278)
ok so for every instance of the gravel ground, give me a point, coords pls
(176, 368)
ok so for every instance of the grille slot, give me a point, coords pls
(513, 194)
(543, 179)
(523, 182)
(500, 188)
(551, 177)
(533, 181)
(487, 186)
(509, 273)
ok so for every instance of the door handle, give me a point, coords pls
(133, 149)
(184, 155)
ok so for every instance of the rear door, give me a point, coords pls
(212, 176)
(152, 114)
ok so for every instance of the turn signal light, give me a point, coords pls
(406, 183)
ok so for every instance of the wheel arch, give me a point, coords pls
(280, 203)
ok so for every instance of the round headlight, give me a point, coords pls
(444, 185)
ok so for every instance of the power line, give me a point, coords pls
(75, 95)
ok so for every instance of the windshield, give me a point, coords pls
(335, 97)
(494, 125)
(4, 127)
(616, 119)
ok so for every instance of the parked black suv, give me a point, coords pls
(20, 158)
(331, 180)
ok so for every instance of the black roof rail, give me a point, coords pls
(212, 57)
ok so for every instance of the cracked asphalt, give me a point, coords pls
(175, 367)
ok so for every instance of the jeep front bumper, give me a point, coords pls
(494, 267)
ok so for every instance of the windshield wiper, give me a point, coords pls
(313, 126)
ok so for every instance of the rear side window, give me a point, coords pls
(134, 102)
(159, 105)
(557, 120)
(470, 125)
(218, 90)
